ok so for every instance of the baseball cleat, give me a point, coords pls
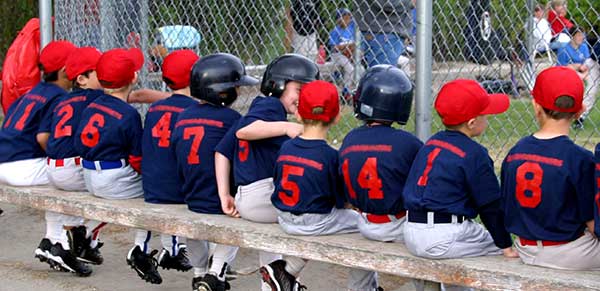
(278, 279)
(80, 246)
(209, 282)
(180, 262)
(63, 260)
(43, 250)
(144, 265)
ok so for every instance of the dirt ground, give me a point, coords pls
(22, 228)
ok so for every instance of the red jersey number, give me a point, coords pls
(244, 149)
(368, 178)
(291, 186)
(430, 159)
(90, 136)
(532, 184)
(161, 130)
(62, 130)
(198, 133)
(20, 124)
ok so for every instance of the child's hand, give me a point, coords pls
(228, 206)
(510, 253)
(294, 129)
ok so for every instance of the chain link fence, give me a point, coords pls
(493, 41)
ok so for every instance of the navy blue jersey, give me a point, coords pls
(597, 198)
(22, 123)
(451, 174)
(306, 178)
(159, 166)
(374, 162)
(198, 130)
(110, 130)
(226, 146)
(63, 120)
(255, 159)
(548, 189)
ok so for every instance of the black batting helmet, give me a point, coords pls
(384, 93)
(286, 68)
(216, 74)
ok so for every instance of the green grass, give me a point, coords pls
(502, 134)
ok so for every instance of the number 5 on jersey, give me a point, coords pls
(291, 186)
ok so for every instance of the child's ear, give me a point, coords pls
(82, 80)
(471, 123)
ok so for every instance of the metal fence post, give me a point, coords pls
(45, 7)
(423, 70)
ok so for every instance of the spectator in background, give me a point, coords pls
(576, 55)
(342, 45)
(301, 27)
(542, 33)
(385, 25)
(557, 17)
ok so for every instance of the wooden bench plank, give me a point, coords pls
(493, 273)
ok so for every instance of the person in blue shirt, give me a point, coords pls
(308, 190)
(160, 179)
(375, 158)
(576, 55)
(343, 45)
(257, 140)
(23, 142)
(215, 82)
(64, 164)
(452, 181)
(548, 183)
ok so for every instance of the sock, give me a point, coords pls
(142, 237)
(55, 231)
(170, 243)
(221, 258)
(199, 272)
(92, 230)
(294, 265)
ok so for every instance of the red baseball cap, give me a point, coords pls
(555, 82)
(82, 60)
(319, 94)
(177, 67)
(116, 68)
(461, 100)
(54, 55)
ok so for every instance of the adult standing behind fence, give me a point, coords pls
(301, 27)
(576, 55)
(384, 24)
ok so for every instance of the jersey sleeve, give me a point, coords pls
(482, 181)
(226, 146)
(337, 180)
(334, 38)
(585, 188)
(585, 50)
(135, 135)
(46, 116)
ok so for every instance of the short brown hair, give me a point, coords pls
(316, 110)
(561, 102)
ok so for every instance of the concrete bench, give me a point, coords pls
(493, 273)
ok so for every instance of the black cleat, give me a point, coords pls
(275, 275)
(144, 265)
(180, 262)
(63, 260)
(209, 282)
(43, 250)
(80, 246)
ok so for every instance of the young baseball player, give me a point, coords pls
(308, 194)
(548, 181)
(64, 164)
(110, 136)
(160, 178)
(259, 135)
(23, 144)
(215, 82)
(375, 159)
(452, 181)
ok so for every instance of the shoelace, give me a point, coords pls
(153, 260)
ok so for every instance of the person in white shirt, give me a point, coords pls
(542, 34)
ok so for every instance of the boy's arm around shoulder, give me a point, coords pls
(260, 129)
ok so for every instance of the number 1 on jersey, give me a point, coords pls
(198, 133)
(430, 159)
(161, 130)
